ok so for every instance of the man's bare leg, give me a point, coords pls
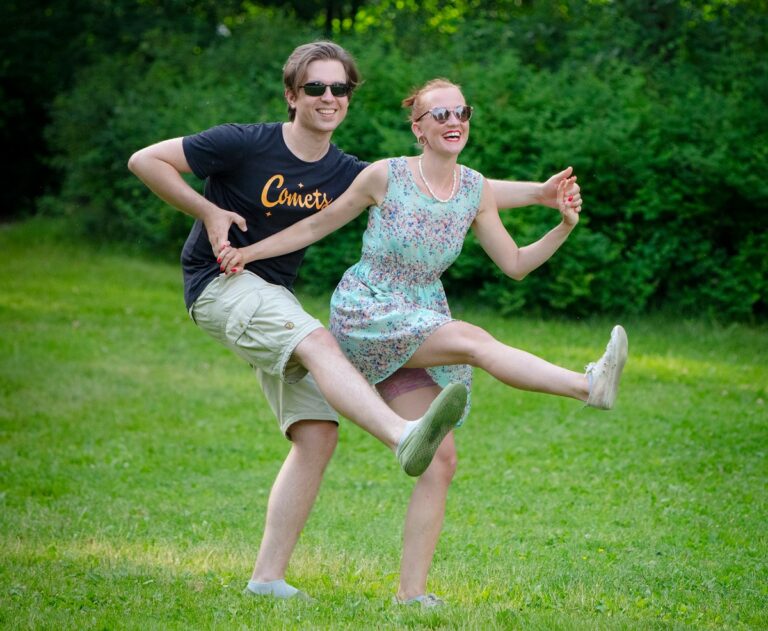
(347, 391)
(293, 495)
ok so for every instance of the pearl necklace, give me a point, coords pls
(429, 188)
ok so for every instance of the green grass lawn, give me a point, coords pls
(136, 457)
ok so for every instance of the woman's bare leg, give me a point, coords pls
(462, 343)
(426, 509)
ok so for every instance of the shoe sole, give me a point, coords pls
(425, 603)
(621, 344)
(300, 595)
(419, 447)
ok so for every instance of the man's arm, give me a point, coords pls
(160, 167)
(517, 194)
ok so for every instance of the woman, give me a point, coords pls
(389, 311)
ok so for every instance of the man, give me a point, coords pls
(260, 179)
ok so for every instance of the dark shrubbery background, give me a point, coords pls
(659, 106)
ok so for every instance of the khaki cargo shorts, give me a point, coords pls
(263, 323)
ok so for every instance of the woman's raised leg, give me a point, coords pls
(463, 343)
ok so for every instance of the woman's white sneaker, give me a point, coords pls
(605, 373)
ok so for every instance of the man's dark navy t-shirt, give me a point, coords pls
(249, 169)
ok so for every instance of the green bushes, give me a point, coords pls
(667, 141)
(169, 87)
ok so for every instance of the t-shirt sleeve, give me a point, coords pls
(218, 149)
(353, 166)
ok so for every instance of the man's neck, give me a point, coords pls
(306, 145)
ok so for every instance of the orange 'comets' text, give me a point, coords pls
(273, 194)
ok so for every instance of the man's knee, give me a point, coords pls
(316, 345)
(318, 438)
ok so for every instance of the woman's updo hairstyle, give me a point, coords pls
(413, 101)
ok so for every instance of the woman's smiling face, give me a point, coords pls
(450, 136)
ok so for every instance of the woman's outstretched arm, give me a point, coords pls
(514, 261)
(369, 187)
(509, 194)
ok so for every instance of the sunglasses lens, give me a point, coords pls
(317, 88)
(339, 89)
(441, 114)
(464, 113)
(314, 89)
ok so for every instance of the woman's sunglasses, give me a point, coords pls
(441, 114)
(317, 88)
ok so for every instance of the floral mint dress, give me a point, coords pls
(388, 303)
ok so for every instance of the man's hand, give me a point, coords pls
(217, 225)
(549, 190)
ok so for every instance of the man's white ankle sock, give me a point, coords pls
(409, 427)
(278, 589)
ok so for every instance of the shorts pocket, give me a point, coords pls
(241, 316)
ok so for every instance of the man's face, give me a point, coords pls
(322, 113)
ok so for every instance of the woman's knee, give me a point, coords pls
(472, 341)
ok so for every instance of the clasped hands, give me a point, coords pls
(568, 203)
(218, 224)
(230, 260)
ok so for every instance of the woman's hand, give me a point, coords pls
(230, 260)
(568, 204)
(549, 196)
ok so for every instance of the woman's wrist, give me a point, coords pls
(564, 229)
(540, 195)
(248, 253)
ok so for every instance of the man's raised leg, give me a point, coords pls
(347, 391)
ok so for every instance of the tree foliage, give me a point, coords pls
(659, 106)
(43, 47)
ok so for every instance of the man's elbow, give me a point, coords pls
(142, 161)
(134, 162)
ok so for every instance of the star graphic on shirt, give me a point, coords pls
(301, 185)
(268, 213)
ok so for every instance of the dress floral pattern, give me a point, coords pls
(388, 303)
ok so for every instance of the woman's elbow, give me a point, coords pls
(514, 271)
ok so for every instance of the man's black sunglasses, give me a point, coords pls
(317, 88)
